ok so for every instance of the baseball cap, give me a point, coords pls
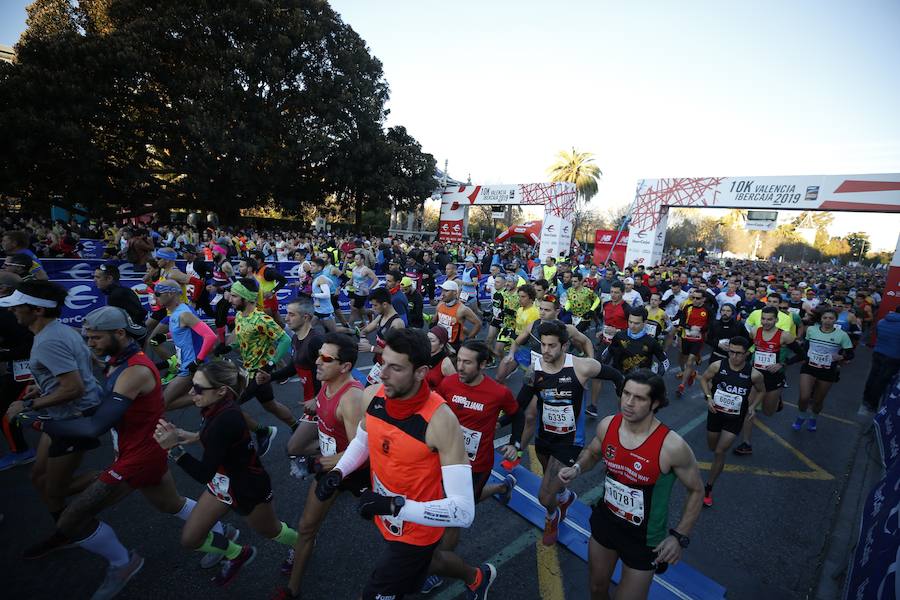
(406, 282)
(110, 318)
(628, 280)
(470, 258)
(450, 286)
(166, 254)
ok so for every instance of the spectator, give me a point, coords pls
(885, 360)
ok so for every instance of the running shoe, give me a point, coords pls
(551, 529)
(284, 593)
(118, 577)
(743, 449)
(680, 391)
(564, 506)
(707, 495)
(16, 459)
(231, 568)
(811, 425)
(506, 496)
(509, 465)
(264, 440)
(488, 575)
(432, 582)
(211, 559)
(797, 425)
(57, 541)
(287, 565)
(591, 411)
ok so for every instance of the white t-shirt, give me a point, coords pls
(633, 298)
(674, 306)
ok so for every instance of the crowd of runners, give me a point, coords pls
(415, 442)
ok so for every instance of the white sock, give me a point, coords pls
(105, 543)
(563, 496)
(188, 508)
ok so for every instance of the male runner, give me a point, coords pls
(363, 280)
(339, 407)
(193, 340)
(695, 319)
(727, 385)
(269, 282)
(631, 523)
(132, 407)
(453, 316)
(323, 308)
(634, 348)
(559, 384)
(468, 281)
(387, 320)
(615, 314)
(581, 302)
(477, 400)
(262, 344)
(421, 478)
(768, 341)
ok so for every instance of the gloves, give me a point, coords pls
(372, 504)
(328, 485)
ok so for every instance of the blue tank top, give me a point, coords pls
(322, 306)
(843, 321)
(361, 283)
(470, 285)
(187, 343)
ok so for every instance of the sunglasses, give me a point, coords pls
(199, 389)
(327, 358)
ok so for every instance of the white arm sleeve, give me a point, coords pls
(456, 510)
(356, 454)
(325, 293)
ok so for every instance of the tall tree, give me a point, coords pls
(578, 168)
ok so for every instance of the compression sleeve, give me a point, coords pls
(325, 293)
(456, 510)
(610, 374)
(107, 414)
(356, 454)
(596, 303)
(209, 338)
(224, 431)
(847, 353)
(799, 353)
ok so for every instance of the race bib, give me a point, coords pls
(535, 358)
(763, 359)
(794, 311)
(394, 525)
(650, 328)
(219, 487)
(692, 334)
(444, 321)
(374, 375)
(464, 297)
(821, 360)
(609, 333)
(21, 372)
(724, 342)
(727, 402)
(558, 419)
(472, 440)
(625, 502)
(327, 444)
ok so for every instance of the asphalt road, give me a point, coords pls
(763, 537)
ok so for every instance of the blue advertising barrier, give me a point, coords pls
(92, 248)
(887, 424)
(77, 274)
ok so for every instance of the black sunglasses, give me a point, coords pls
(199, 389)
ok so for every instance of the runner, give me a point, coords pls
(321, 294)
(672, 301)
(526, 313)
(615, 315)
(193, 340)
(230, 467)
(61, 365)
(440, 362)
(453, 316)
(131, 408)
(222, 278)
(695, 319)
(269, 282)
(658, 325)
(768, 359)
(363, 280)
(631, 523)
(415, 303)
(828, 348)
(559, 384)
(634, 348)
(727, 385)
(721, 331)
(477, 400)
(339, 408)
(16, 342)
(581, 302)
(468, 281)
(106, 278)
(495, 323)
(421, 478)
(387, 320)
(847, 320)
(262, 344)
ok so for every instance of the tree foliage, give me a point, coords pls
(208, 105)
(578, 168)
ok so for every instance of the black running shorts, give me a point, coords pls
(618, 538)
(401, 569)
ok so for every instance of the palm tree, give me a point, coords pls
(578, 168)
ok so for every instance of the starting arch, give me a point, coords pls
(855, 193)
(558, 200)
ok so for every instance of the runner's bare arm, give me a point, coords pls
(684, 464)
(466, 314)
(589, 457)
(580, 341)
(350, 412)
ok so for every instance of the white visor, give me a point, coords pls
(17, 298)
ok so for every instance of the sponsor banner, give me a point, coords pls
(890, 296)
(887, 424)
(603, 244)
(92, 248)
(83, 298)
(450, 230)
(556, 236)
(873, 565)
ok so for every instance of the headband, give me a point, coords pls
(161, 288)
(241, 290)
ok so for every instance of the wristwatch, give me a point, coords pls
(176, 452)
(683, 540)
(397, 503)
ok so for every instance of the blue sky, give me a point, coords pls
(652, 88)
